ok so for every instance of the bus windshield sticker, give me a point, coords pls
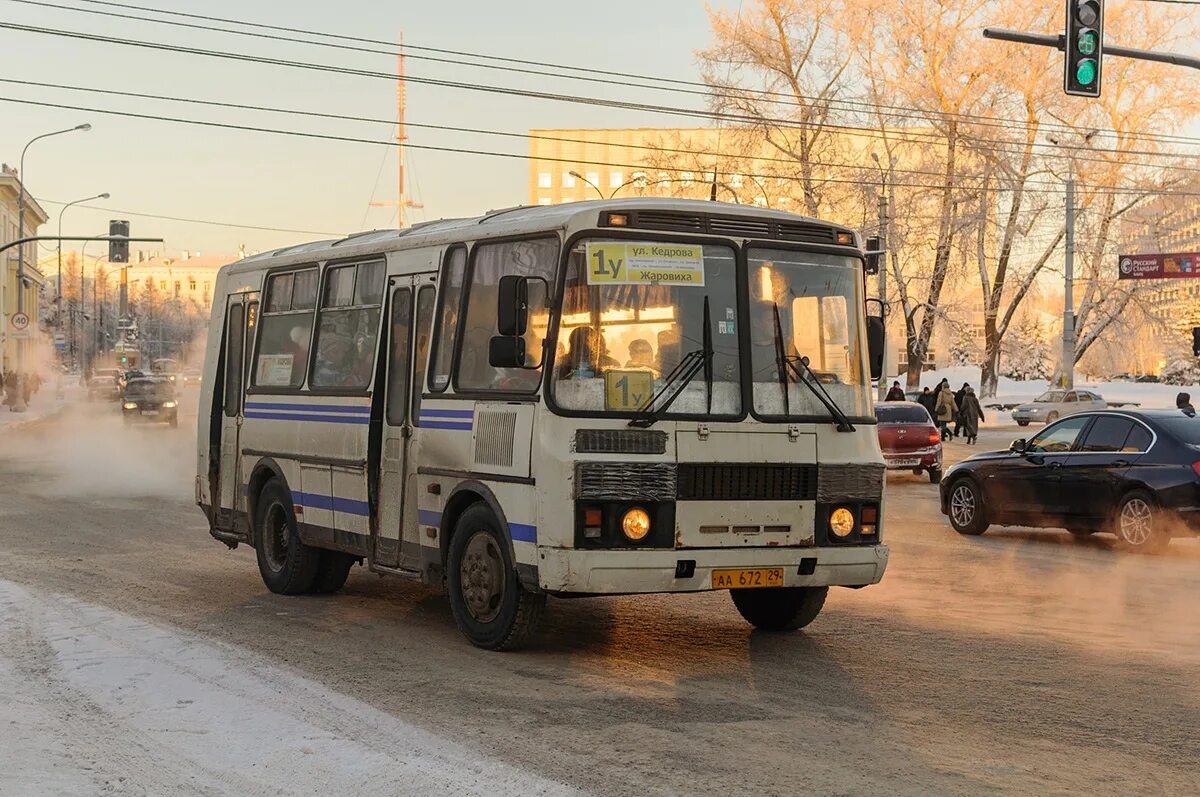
(626, 263)
(274, 370)
(627, 390)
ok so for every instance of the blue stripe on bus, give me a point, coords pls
(348, 506)
(462, 427)
(429, 412)
(349, 408)
(427, 517)
(520, 532)
(287, 416)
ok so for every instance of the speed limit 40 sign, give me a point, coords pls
(18, 324)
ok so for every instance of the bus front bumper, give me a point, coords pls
(623, 572)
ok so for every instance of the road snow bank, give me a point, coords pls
(93, 701)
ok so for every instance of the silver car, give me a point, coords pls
(1055, 404)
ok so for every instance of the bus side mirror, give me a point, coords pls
(512, 306)
(875, 255)
(505, 351)
(876, 339)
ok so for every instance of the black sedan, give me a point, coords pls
(150, 400)
(1132, 474)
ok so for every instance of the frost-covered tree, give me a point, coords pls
(1027, 352)
(964, 348)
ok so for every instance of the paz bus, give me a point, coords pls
(597, 398)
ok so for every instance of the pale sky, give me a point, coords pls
(269, 180)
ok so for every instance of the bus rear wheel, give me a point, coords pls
(780, 608)
(490, 606)
(287, 565)
(333, 569)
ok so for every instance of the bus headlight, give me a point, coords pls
(636, 524)
(841, 522)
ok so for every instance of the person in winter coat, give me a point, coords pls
(927, 400)
(958, 402)
(970, 414)
(946, 409)
(896, 393)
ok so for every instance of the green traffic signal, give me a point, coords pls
(1086, 43)
(1085, 72)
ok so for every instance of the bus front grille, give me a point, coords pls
(746, 482)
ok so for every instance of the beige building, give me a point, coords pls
(35, 216)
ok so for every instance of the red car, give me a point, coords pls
(909, 439)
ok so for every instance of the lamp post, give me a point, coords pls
(19, 399)
(58, 300)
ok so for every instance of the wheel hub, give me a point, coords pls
(481, 577)
(962, 505)
(1136, 522)
(275, 538)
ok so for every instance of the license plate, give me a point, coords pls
(904, 463)
(149, 412)
(747, 578)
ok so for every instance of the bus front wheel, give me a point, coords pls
(780, 608)
(490, 606)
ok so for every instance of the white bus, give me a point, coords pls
(630, 396)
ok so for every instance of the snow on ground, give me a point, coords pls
(97, 702)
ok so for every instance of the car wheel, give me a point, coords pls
(935, 475)
(1022, 423)
(1139, 524)
(490, 606)
(332, 571)
(779, 608)
(966, 511)
(287, 565)
(1051, 417)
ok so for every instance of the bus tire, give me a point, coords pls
(490, 606)
(287, 565)
(333, 569)
(779, 609)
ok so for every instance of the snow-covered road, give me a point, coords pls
(96, 702)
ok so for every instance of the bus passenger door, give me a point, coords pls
(233, 381)
(397, 427)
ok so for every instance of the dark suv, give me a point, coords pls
(150, 400)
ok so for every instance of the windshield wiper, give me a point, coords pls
(807, 377)
(680, 377)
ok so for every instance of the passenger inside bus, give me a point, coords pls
(587, 356)
(641, 355)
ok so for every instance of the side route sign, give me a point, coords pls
(1155, 267)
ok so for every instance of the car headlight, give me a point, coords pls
(129, 405)
(169, 405)
(841, 522)
(636, 524)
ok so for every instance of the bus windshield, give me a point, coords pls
(806, 304)
(634, 314)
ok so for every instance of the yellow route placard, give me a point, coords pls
(627, 390)
(633, 263)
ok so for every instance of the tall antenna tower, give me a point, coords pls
(401, 136)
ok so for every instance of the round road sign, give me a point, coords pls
(19, 322)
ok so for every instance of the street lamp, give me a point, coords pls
(595, 187)
(19, 400)
(58, 301)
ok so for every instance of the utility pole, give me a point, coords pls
(1068, 335)
(883, 217)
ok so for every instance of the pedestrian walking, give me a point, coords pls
(971, 414)
(10, 389)
(1184, 402)
(928, 401)
(896, 393)
(958, 402)
(946, 409)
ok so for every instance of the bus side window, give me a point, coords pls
(424, 329)
(446, 333)
(287, 318)
(398, 345)
(349, 327)
(235, 339)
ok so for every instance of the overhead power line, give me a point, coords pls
(210, 222)
(1055, 189)
(561, 71)
(907, 135)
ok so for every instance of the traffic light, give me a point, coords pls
(118, 251)
(1196, 341)
(124, 360)
(1085, 47)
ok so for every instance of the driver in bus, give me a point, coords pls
(586, 358)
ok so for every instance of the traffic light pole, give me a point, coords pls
(1068, 335)
(19, 403)
(1059, 42)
